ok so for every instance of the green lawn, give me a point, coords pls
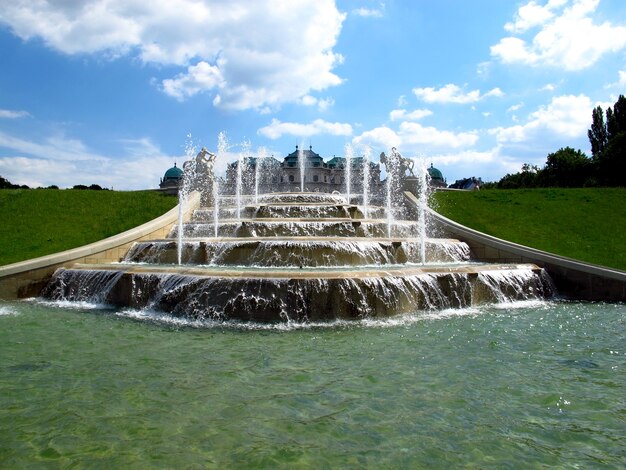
(587, 224)
(38, 222)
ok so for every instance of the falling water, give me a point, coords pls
(390, 166)
(366, 180)
(258, 167)
(183, 192)
(240, 163)
(301, 162)
(348, 173)
(222, 147)
(423, 186)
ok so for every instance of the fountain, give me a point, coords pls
(301, 164)
(348, 171)
(366, 181)
(302, 256)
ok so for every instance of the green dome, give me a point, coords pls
(173, 173)
(434, 173)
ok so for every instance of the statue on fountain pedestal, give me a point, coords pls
(200, 170)
(404, 164)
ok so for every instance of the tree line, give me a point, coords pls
(6, 184)
(568, 167)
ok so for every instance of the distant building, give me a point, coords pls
(171, 180)
(468, 184)
(319, 175)
(436, 177)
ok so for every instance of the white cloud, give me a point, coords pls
(322, 104)
(403, 114)
(199, 77)
(548, 87)
(621, 80)
(531, 15)
(514, 107)
(9, 114)
(567, 37)
(53, 148)
(277, 129)
(67, 162)
(246, 54)
(451, 93)
(370, 12)
(566, 116)
(413, 137)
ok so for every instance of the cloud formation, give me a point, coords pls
(452, 93)
(10, 114)
(567, 36)
(403, 114)
(412, 137)
(247, 55)
(566, 116)
(276, 129)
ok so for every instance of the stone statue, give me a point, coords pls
(200, 171)
(405, 164)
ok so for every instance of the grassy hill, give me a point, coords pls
(587, 224)
(39, 222)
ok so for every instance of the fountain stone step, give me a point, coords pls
(287, 211)
(299, 251)
(273, 295)
(298, 227)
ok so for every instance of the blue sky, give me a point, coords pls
(107, 92)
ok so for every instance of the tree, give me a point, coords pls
(527, 178)
(612, 162)
(616, 119)
(598, 132)
(608, 144)
(566, 168)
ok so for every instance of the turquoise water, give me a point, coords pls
(517, 386)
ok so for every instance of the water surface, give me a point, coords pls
(520, 386)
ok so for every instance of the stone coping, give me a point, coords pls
(573, 278)
(29, 269)
(307, 238)
(315, 273)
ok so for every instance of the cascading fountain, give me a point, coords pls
(258, 172)
(366, 180)
(239, 183)
(299, 256)
(422, 188)
(391, 164)
(349, 152)
(183, 192)
(302, 165)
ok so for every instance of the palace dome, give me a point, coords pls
(173, 173)
(434, 173)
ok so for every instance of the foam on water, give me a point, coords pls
(160, 318)
(6, 311)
